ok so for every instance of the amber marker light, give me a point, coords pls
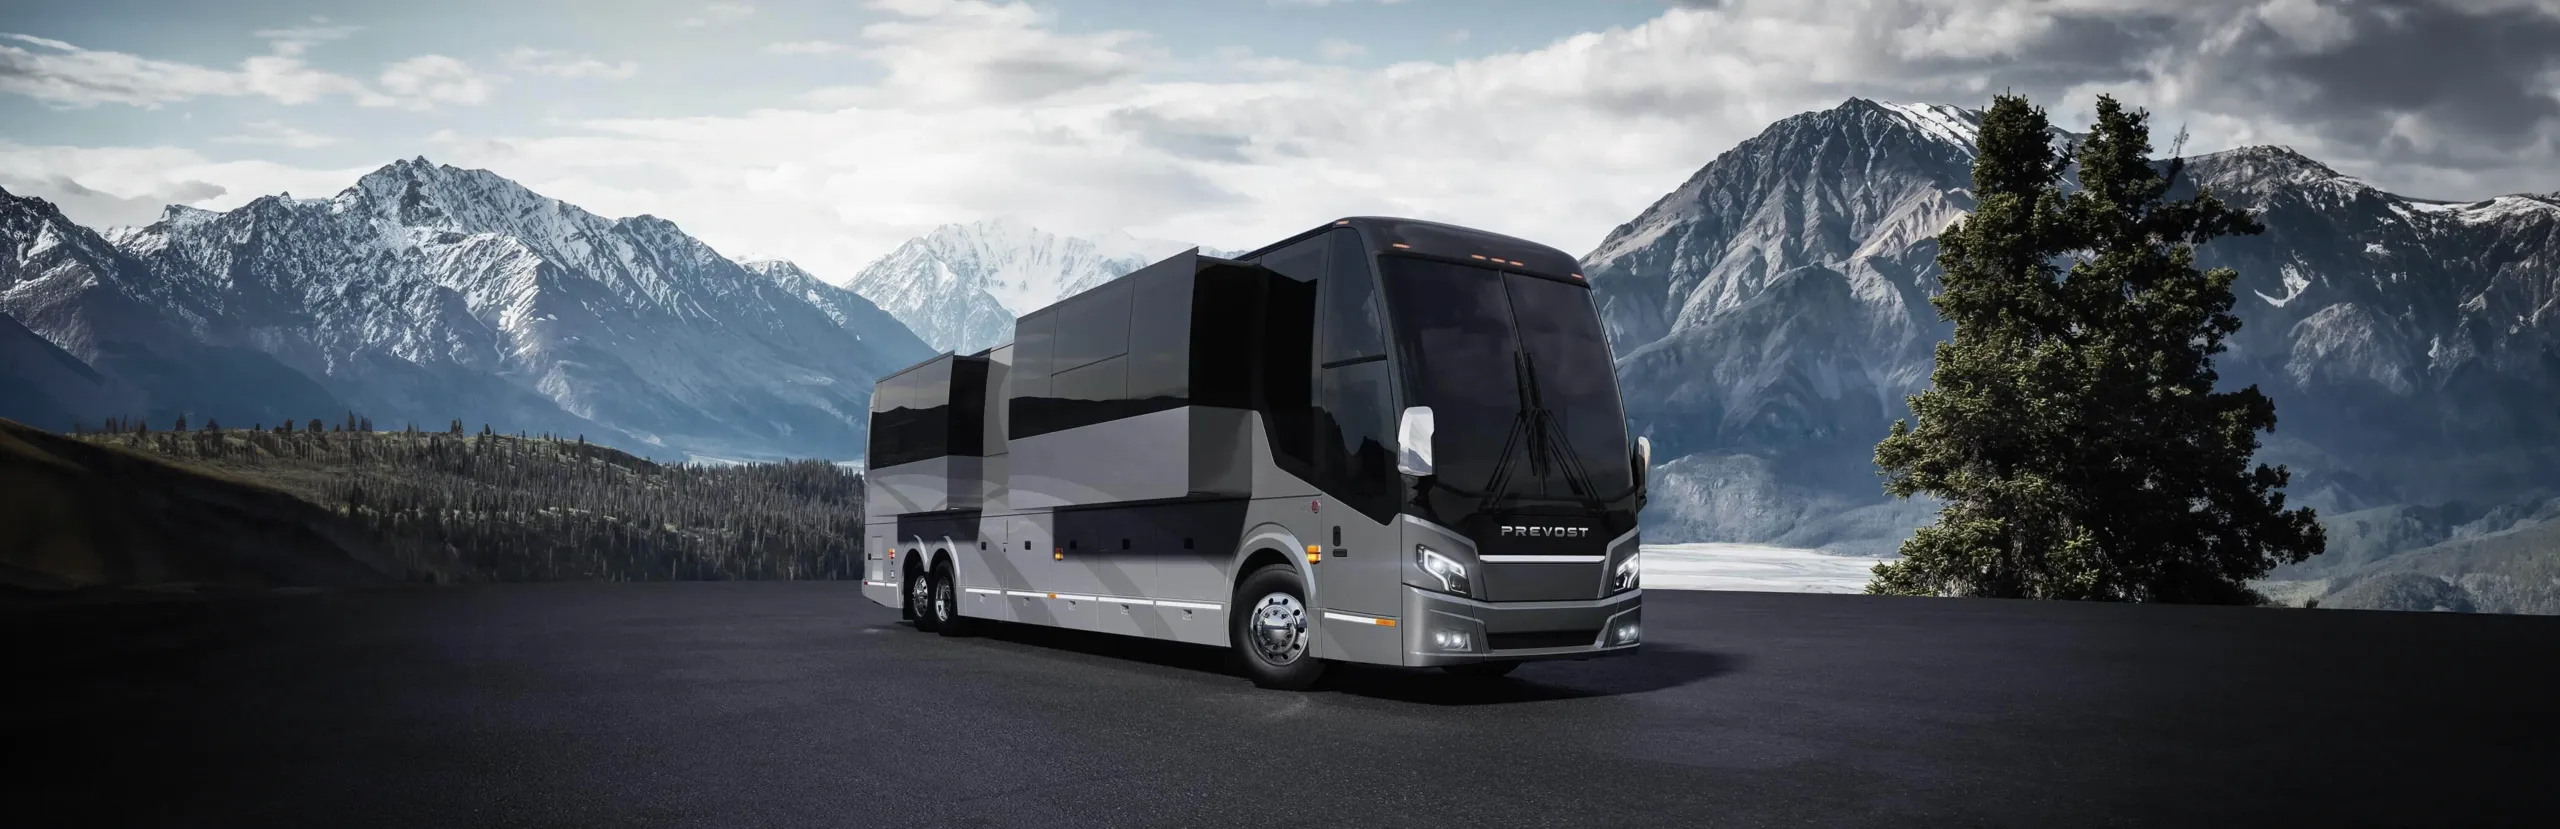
(1314, 553)
(1059, 554)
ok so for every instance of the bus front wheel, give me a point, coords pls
(1272, 630)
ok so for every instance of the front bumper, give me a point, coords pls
(1508, 631)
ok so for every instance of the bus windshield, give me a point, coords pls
(1517, 374)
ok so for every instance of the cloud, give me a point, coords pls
(67, 75)
(98, 209)
(278, 134)
(987, 108)
(565, 65)
(806, 47)
(715, 14)
(971, 51)
(294, 40)
(1334, 48)
(1331, 2)
(427, 80)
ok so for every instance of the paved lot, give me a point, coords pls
(800, 704)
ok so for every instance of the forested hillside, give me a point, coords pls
(449, 506)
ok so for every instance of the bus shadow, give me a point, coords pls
(1653, 668)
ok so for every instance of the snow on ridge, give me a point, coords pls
(1951, 124)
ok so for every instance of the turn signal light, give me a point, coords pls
(1059, 554)
(1314, 554)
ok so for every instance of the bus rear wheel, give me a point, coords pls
(1272, 632)
(945, 607)
(919, 588)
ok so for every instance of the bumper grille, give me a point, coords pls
(1541, 639)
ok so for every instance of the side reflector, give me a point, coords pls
(1386, 623)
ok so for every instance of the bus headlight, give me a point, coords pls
(1630, 572)
(1452, 575)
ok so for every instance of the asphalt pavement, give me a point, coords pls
(800, 704)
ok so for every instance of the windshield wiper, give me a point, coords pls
(1543, 432)
(1501, 478)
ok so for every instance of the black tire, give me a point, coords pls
(915, 608)
(945, 608)
(1483, 670)
(1294, 674)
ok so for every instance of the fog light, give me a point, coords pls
(1628, 633)
(1452, 640)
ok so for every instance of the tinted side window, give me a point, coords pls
(1029, 407)
(1287, 345)
(1222, 367)
(1092, 326)
(1355, 455)
(1160, 338)
(1089, 394)
(967, 429)
(1352, 329)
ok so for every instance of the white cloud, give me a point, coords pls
(972, 51)
(67, 75)
(986, 108)
(718, 13)
(1334, 48)
(427, 80)
(108, 187)
(279, 134)
(294, 40)
(565, 65)
(806, 47)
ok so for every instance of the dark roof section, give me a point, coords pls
(1448, 241)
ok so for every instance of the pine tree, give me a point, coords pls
(314, 426)
(182, 423)
(212, 425)
(2071, 428)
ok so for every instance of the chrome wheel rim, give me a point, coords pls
(942, 602)
(1278, 625)
(919, 594)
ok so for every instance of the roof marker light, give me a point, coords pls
(1577, 276)
(1479, 256)
(1402, 245)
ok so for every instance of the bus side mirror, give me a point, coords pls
(1413, 441)
(1644, 458)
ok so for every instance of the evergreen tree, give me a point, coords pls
(314, 426)
(182, 423)
(2071, 428)
(212, 425)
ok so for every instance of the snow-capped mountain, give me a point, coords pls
(857, 316)
(426, 293)
(1771, 314)
(961, 285)
(133, 339)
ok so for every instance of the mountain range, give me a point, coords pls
(1770, 316)
(426, 293)
(961, 285)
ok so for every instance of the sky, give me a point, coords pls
(828, 132)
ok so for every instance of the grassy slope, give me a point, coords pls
(77, 514)
(438, 507)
